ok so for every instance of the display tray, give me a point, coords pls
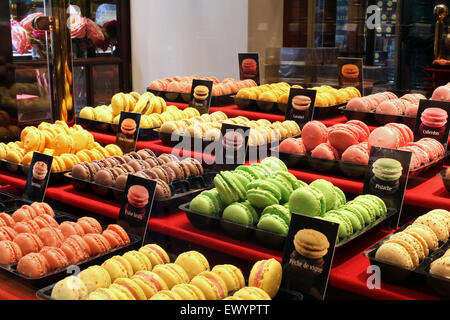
(170, 96)
(266, 239)
(445, 180)
(55, 177)
(376, 119)
(182, 191)
(59, 274)
(280, 108)
(5, 197)
(346, 169)
(206, 146)
(147, 134)
(282, 295)
(419, 277)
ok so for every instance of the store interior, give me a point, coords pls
(115, 139)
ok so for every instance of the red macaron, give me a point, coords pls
(76, 249)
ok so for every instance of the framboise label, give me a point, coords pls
(232, 147)
(137, 205)
(38, 177)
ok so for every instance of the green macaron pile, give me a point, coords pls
(255, 195)
(357, 214)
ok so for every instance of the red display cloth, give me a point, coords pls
(14, 290)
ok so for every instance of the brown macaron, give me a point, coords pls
(126, 167)
(121, 182)
(146, 153)
(162, 190)
(160, 173)
(189, 169)
(135, 165)
(166, 157)
(172, 175)
(152, 162)
(196, 163)
(175, 166)
(105, 177)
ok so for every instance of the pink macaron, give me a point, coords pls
(358, 154)
(313, 134)
(385, 137)
(441, 94)
(343, 136)
(325, 151)
(293, 145)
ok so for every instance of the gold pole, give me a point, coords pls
(311, 23)
(441, 11)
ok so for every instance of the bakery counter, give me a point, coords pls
(349, 270)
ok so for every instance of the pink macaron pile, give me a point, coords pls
(184, 84)
(387, 103)
(442, 93)
(332, 143)
(392, 136)
(424, 151)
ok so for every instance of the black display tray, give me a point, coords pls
(346, 169)
(55, 177)
(182, 191)
(147, 134)
(446, 181)
(420, 277)
(377, 119)
(59, 274)
(170, 96)
(266, 239)
(280, 108)
(282, 295)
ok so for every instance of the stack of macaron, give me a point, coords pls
(39, 245)
(184, 85)
(400, 136)
(67, 145)
(154, 110)
(165, 169)
(388, 103)
(279, 93)
(441, 266)
(408, 248)
(208, 127)
(342, 141)
(148, 274)
(442, 93)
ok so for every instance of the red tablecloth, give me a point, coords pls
(349, 268)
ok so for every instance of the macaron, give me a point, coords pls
(29, 226)
(138, 261)
(76, 249)
(130, 288)
(55, 257)
(193, 262)
(90, 225)
(45, 220)
(211, 284)
(51, 237)
(441, 267)
(95, 277)
(188, 292)
(118, 267)
(231, 275)
(425, 232)
(70, 288)
(166, 295)
(10, 252)
(276, 219)
(439, 228)
(172, 274)
(33, 265)
(240, 213)
(70, 228)
(308, 201)
(150, 282)
(311, 243)
(345, 225)
(263, 193)
(113, 238)
(266, 275)
(156, 254)
(120, 231)
(97, 243)
(7, 220)
(251, 293)
(102, 294)
(29, 243)
(7, 233)
(396, 254)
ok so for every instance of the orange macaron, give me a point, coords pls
(120, 231)
(9, 252)
(76, 249)
(43, 208)
(113, 238)
(51, 237)
(97, 243)
(28, 243)
(90, 225)
(55, 257)
(45, 220)
(70, 228)
(7, 233)
(33, 265)
(7, 219)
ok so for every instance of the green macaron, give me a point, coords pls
(307, 201)
(355, 218)
(328, 191)
(377, 202)
(254, 172)
(243, 177)
(360, 210)
(387, 169)
(291, 179)
(227, 194)
(274, 165)
(234, 184)
(368, 207)
(213, 194)
(204, 205)
(262, 169)
(273, 223)
(252, 210)
(263, 193)
(341, 199)
(345, 226)
(238, 213)
(278, 210)
(285, 188)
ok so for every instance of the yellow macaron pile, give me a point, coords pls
(154, 110)
(67, 145)
(148, 274)
(279, 93)
(208, 127)
(408, 248)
